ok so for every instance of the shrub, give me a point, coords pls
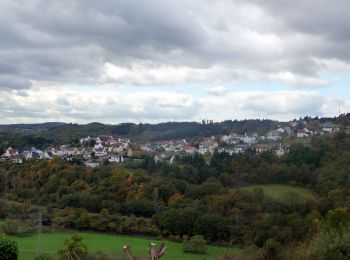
(15, 227)
(328, 245)
(195, 244)
(8, 248)
(75, 249)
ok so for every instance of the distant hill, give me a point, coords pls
(62, 133)
(161, 131)
(58, 133)
(29, 128)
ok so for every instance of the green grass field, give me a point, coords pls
(277, 191)
(111, 244)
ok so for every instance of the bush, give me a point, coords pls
(15, 227)
(75, 249)
(8, 248)
(195, 244)
(328, 245)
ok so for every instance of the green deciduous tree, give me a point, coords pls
(74, 249)
(8, 248)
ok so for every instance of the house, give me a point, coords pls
(88, 151)
(203, 150)
(10, 152)
(67, 158)
(116, 159)
(230, 151)
(17, 159)
(33, 153)
(172, 160)
(327, 127)
(48, 154)
(302, 133)
(229, 139)
(63, 150)
(261, 148)
(157, 158)
(112, 141)
(293, 123)
(240, 148)
(79, 150)
(103, 139)
(98, 145)
(129, 152)
(101, 151)
(247, 138)
(71, 151)
(145, 148)
(116, 148)
(189, 149)
(288, 130)
(92, 163)
(86, 140)
(27, 155)
(208, 145)
(274, 135)
(280, 151)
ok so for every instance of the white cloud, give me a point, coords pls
(148, 73)
(300, 80)
(114, 107)
(217, 91)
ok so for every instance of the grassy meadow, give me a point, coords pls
(278, 191)
(110, 244)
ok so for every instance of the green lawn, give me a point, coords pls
(277, 191)
(111, 244)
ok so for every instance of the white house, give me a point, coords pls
(48, 154)
(249, 139)
(92, 163)
(327, 127)
(100, 152)
(116, 159)
(10, 152)
(33, 153)
(17, 159)
(302, 133)
(280, 151)
(203, 150)
(172, 160)
(190, 149)
(274, 135)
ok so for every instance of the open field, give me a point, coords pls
(277, 191)
(110, 244)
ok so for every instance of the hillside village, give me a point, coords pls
(93, 151)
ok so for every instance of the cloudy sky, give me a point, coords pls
(118, 61)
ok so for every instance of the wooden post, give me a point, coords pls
(155, 253)
(127, 252)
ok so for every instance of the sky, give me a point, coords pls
(116, 61)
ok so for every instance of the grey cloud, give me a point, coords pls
(9, 83)
(327, 19)
(70, 41)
